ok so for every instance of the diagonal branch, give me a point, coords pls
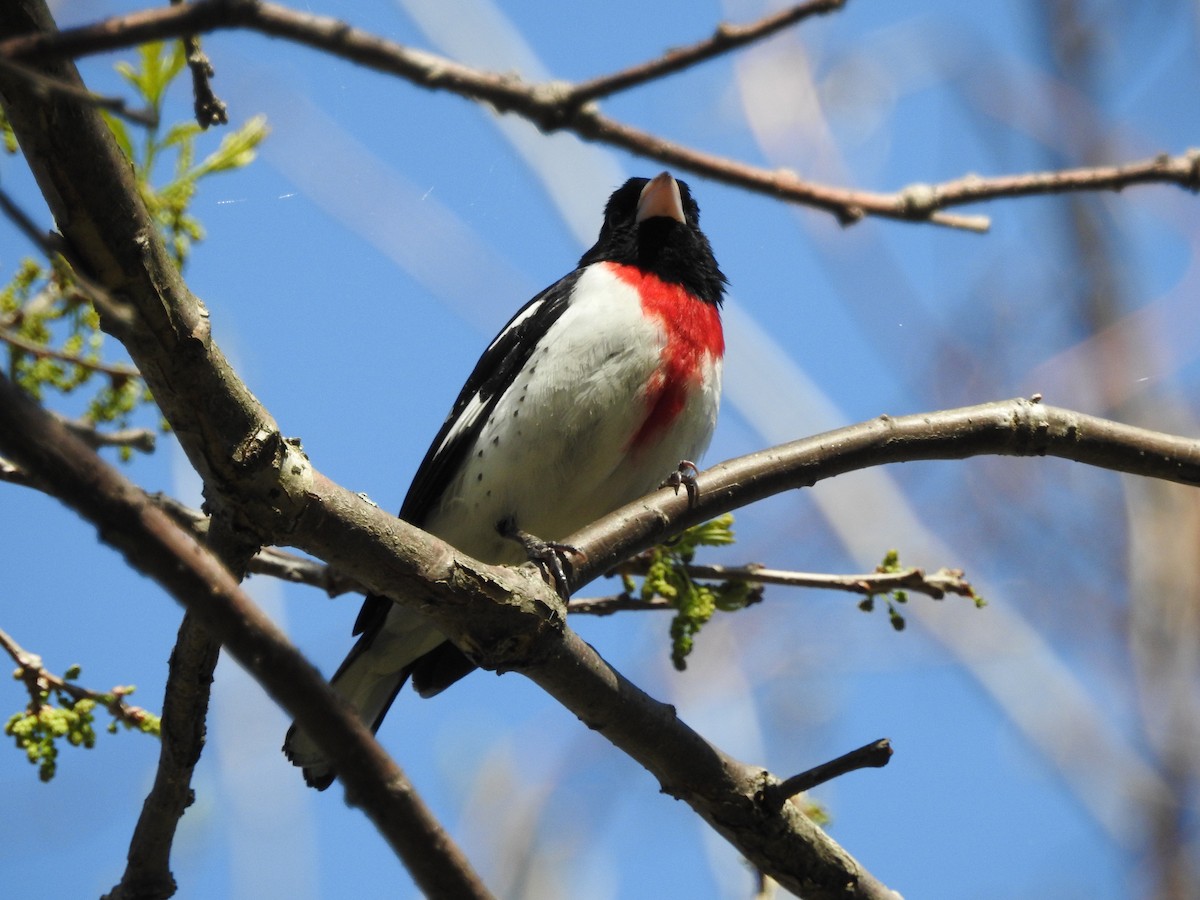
(20, 344)
(115, 313)
(554, 106)
(265, 484)
(725, 39)
(510, 620)
(154, 545)
(115, 105)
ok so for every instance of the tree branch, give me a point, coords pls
(872, 756)
(116, 313)
(143, 439)
(526, 632)
(154, 545)
(209, 109)
(726, 38)
(113, 248)
(510, 620)
(114, 105)
(185, 713)
(1007, 428)
(555, 106)
(41, 350)
(937, 585)
(267, 486)
(39, 680)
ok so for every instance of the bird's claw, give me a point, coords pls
(548, 555)
(685, 476)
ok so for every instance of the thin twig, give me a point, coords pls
(554, 107)
(209, 109)
(937, 585)
(39, 681)
(298, 569)
(116, 370)
(615, 603)
(143, 439)
(115, 105)
(118, 318)
(726, 38)
(871, 756)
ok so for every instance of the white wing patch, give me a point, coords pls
(465, 420)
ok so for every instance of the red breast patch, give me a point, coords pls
(694, 336)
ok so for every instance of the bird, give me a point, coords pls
(594, 392)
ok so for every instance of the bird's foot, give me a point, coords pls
(549, 555)
(684, 476)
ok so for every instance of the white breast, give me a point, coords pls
(554, 452)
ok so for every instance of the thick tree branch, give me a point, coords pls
(525, 636)
(507, 619)
(1006, 428)
(266, 484)
(502, 615)
(154, 545)
(114, 248)
(112, 244)
(555, 106)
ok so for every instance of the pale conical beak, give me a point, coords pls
(660, 197)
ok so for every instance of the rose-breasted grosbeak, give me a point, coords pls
(587, 399)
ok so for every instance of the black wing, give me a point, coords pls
(492, 376)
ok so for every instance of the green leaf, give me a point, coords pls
(236, 149)
(8, 135)
(181, 133)
(667, 577)
(160, 63)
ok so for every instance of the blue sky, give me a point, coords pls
(356, 270)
